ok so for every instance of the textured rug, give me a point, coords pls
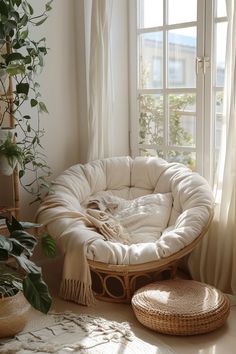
(72, 333)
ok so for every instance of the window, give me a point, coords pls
(177, 76)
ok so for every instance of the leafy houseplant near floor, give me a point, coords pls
(21, 105)
(24, 282)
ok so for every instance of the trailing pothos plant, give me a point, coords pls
(27, 277)
(21, 61)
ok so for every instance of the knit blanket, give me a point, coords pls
(82, 228)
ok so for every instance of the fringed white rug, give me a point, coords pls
(72, 333)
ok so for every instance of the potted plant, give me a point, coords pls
(10, 154)
(21, 105)
(21, 283)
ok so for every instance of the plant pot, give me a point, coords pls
(5, 168)
(13, 314)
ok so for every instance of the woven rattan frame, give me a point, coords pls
(180, 307)
(117, 283)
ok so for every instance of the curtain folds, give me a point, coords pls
(100, 81)
(214, 260)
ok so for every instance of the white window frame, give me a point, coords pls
(204, 84)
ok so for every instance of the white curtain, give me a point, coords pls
(100, 81)
(214, 260)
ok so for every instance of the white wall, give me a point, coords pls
(58, 88)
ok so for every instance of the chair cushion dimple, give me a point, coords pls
(118, 173)
(180, 307)
(96, 176)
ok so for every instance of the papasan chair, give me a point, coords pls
(122, 223)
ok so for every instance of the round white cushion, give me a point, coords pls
(129, 178)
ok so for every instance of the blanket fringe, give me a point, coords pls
(77, 291)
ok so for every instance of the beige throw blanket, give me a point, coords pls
(80, 228)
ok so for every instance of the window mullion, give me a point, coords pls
(208, 135)
(133, 80)
(165, 77)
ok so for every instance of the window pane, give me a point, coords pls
(180, 11)
(221, 34)
(182, 124)
(150, 13)
(218, 124)
(150, 60)
(151, 152)
(221, 8)
(151, 119)
(181, 57)
(185, 157)
(219, 101)
(182, 130)
(185, 102)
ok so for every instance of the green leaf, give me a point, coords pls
(24, 6)
(22, 88)
(16, 15)
(26, 239)
(27, 265)
(4, 255)
(30, 225)
(10, 24)
(27, 59)
(48, 6)
(5, 244)
(3, 9)
(43, 49)
(33, 102)
(24, 34)
(31, 10)
(18, 2)
(36, 292)
(2, 32)
(13, 224)
(18, 249)
(15, 69)
(13, 57)
(48, 245)
(17, 284)
(21, 173)
(41, 21)
(43, 107)
(24, 20)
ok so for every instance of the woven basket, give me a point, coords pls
(180, 307)
(13, 314)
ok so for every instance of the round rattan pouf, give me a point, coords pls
(180, 307)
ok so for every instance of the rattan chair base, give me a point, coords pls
(180, 307)
(120, 285)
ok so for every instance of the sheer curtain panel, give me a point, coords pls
(214, 260)
(100, 81)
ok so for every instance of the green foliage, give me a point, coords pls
(28, 278)
(12, 151)
(48, 245)
(151, 125)
(22, 58)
